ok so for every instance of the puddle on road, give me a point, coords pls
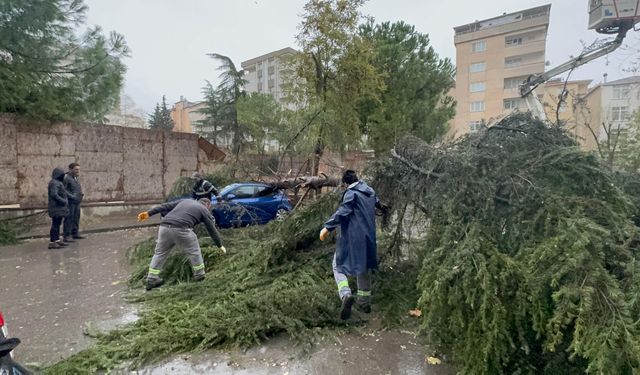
(127, 315)
(373, 352)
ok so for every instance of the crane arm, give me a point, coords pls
(535, 80)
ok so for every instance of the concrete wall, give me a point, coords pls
(117, 163)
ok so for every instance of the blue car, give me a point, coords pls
(249, 203)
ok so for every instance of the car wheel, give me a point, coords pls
(281, 214)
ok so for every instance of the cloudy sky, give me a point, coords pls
(169, 39)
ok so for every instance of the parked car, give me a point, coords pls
(7, 364)
(249, 203)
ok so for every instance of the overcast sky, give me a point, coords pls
(169, 39)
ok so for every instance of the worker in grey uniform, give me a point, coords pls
(176, 228)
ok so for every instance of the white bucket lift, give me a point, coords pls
(606, 17)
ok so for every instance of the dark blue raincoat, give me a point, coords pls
(356, 251)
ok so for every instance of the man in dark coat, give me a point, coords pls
(74, 190)
(203, 188)
(58, 207)
(356, 251)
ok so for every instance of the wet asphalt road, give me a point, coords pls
(49, 296)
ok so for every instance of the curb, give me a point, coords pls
(89, 231)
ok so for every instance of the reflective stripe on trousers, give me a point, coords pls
(184, 238)
(363, 281)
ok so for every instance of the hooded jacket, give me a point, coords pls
(58, 198)
(356, 252)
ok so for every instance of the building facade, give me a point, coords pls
(609, 107)
(267, 73)
(493, 57)
(562, 103)
(185, 115)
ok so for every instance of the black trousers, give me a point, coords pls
(54, 233)
(72, 221)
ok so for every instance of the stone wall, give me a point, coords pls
(117, 163)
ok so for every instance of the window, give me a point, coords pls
(263, 191)
(512, 41)
(478, 67)
(621, 92)
(512, 103)
(476, 107)
(477, 87)
(480, 46)
(619, 113)
(511, 62)
(244, 191)
(475, 126)
(513, 82)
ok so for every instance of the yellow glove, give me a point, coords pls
(224, 251)
(324, 233)
(142, 216)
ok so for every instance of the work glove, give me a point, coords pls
(324, 233)
(224, 251)
(142, 216)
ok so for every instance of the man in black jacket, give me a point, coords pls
(176, 228)
(203, 188)
(58, 207)
(74, 190)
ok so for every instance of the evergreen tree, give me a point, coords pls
(417, 81)
(47, 71)
(222, 103)
(160, 119)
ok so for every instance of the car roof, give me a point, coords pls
(238, 184)
(249, 183)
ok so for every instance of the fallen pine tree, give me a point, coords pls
(275, 279)
(530, 264)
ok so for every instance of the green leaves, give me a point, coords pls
(221, 112)
(49, 72)
(415, 100)
(161, 119)
(334, 73)
(264, 119)
(530, 262)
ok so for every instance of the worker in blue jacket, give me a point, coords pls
(356, 250)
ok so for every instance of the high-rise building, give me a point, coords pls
(267, 73)
(493, 57)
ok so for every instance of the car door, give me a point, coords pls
(265, 204)
(241, 205)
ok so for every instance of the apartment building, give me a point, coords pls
(185, 115)
(611, 105)
(562, 102)
(492, 57)
(267, 73)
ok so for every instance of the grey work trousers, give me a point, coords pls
(363, 281)
(169, 237)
